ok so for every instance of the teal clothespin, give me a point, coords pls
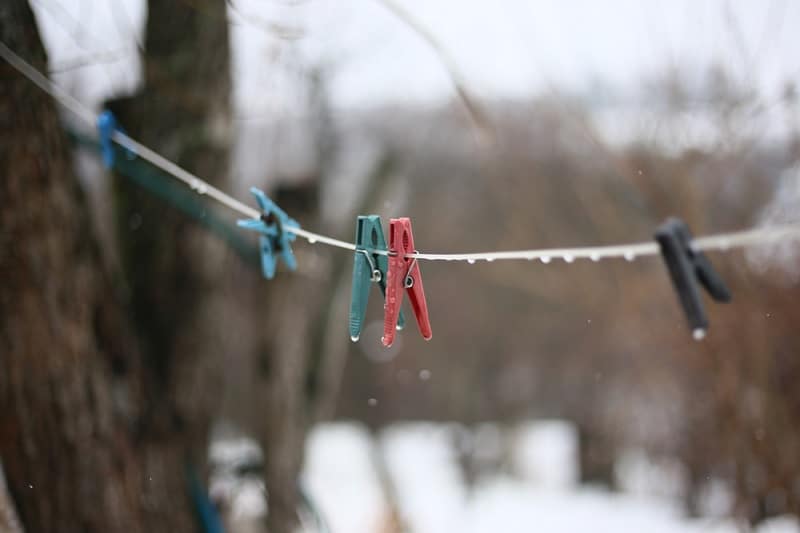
(368, 268)
(275, 240)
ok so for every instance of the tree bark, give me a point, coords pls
(181, 279)
(70, 372)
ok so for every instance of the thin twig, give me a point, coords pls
(479, 118)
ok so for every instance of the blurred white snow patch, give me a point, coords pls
(340, 477)
(489, 443)
(249, 502)
(715, 499)
(236, 483)
(512, 506)
(431, 492)
(432, 497)
(637, 473)
(780, 524)
(781, 257)
(483, 450)
(233, 452)
(546, 453)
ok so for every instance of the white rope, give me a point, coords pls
(30, 72)
(721, 242)
(198, 185)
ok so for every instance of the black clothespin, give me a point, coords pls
(686, 267)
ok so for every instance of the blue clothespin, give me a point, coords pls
(275, 240)
(207, 513)
(106, 126)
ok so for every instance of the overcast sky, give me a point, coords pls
(506, 48)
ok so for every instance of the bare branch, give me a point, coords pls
(479, 118)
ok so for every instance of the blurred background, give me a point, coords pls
(153, 381)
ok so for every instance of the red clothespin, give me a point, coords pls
(403, 273)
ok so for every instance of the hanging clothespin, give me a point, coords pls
(686, 267)
(403, 273)
(106, 126)
(368, 268)
(275, 240)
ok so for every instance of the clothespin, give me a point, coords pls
(403, 273)
(106, 126)
(686, 267)
(275, 240)
(368, 268)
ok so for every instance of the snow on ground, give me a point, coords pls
(511, 506)
(341, 479)
(422, 464)
(539, 494)
(546, 453)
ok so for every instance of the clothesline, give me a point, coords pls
(718, 242)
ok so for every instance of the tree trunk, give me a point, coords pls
(181, 279)
(70, 376)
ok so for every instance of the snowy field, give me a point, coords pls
(351, 475)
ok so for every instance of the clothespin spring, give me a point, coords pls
(409, 281)
(376, 273)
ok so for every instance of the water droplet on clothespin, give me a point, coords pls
(202, 188)
(354, 338)
(312, 240)
(629, 255)
(699, 334)
(489, 259)
(595, 257)
(569, 258)
(471, 261)
(545, 259)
